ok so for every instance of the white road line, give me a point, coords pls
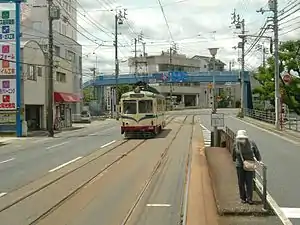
(265, 130)
(292, 213)
(94, 134)
(8, 160)
(65, 164)
(159, 205)
(107, 144)
(2, 194)
(60, 144)
(278, 211)
(206, 135)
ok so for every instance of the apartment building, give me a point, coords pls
(35, 87)
(66, 47)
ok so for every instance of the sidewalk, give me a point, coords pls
(201, 203)
(231, 211)
(286, 132)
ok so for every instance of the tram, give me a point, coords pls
(142, 113)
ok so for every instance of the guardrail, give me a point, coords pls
(288, 122)
(260, 176)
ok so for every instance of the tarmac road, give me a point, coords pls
(37, 156)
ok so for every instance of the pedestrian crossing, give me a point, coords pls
(206, 135)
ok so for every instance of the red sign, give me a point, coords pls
(287, 78)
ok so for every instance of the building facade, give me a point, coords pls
(185, 94)
(66, 47)
(35, 87)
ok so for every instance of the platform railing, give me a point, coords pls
(260, 175)
(288, 121)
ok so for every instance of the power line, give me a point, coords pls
(166, 21)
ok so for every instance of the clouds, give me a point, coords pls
(195, 25)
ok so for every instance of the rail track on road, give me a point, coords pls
(155, 172)
(32, 189)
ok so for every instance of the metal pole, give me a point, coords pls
(276, 58)
(243, 70)
(94, 87)
(265, 205)
(18, 69)
(50, 74)
(135, 57)
(214, 102)
(116, 61)
(171, 86)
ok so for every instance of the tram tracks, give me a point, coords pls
(155, 172)
(121, 149)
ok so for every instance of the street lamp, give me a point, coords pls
(213, 52)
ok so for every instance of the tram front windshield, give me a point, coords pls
(145, 106)
(129, 106)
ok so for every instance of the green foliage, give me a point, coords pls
(123, 88)
(288, 57)
(87, 94)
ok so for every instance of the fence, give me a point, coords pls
(289, 121)
(260, 177)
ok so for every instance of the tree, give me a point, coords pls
(87, 94)
(123, 88)
(289, 60)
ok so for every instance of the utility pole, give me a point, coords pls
(138, 39)
(240, 24)
(119, 18)
(53, 14)
(172, 50)
(273, 5)
(144, 49)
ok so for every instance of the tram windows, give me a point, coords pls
(129, 106)
(145, 106)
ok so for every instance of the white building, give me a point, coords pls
(35, 87)
(35, 27)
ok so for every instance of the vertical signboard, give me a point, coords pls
(8, 91)
(7, 94)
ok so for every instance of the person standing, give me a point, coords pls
(245, 149)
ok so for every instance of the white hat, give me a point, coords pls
(241, 134)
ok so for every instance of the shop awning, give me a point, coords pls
(66, 97)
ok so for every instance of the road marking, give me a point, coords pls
(54, 146)
(2, 194)
(206, 136)
(107, 144)
(65, 164)
(266, 130)
(8, 160)
(293, 213)
(159, 205)
(278, 211)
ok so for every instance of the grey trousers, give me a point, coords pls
(245, 182)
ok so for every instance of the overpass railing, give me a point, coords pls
(288, 121)
(260, 175)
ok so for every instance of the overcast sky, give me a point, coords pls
(195, 25)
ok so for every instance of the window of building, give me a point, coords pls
(61, 77)
(129, 107)
(145, 106)
(71, 56)
(31, 72)
(63, 28)
(56, 50)
(39, 71)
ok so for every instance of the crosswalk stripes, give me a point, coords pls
(206, 136)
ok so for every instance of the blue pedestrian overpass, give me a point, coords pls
(177, 77)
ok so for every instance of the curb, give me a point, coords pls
(250, 120)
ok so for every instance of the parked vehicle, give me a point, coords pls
(86, 117)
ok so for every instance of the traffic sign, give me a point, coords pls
(287, 78)
(210, 86)
(217, 120)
